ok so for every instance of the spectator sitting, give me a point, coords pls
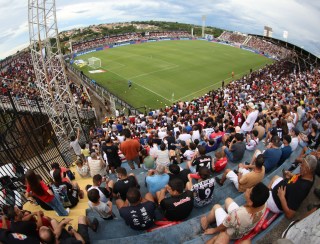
(36, 187)
(139, 213)
(271, 156)
(59, 233)
(294, 138)
(217, 134)
(203, 189)
(69, 193)
(147, 160)
(63, 171)
(103, 209)
(124, 183)
(219, 162)
(177, 172)
(190, 152)
(285, 149)
(96, 165)
(157, 179)
(185, 136)
(287, 194)
(162, 156)
(245, 178)
(180, 203)
(25, 224)
(236, 149)
(200, 161)
(236, 222)
(252, 140)
(261, 129)
(211, 145)
(82, 168)
(104, 192)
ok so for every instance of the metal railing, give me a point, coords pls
(27, 141)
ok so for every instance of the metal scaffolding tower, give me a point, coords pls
(50, 70)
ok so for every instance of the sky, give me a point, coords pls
(300, 18)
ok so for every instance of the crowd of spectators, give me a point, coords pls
(114, 39)
(268, 48)
(268, 104)
(257, 43)
(18, 80)
(273, 101)
(232, 37)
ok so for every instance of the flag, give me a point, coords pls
(285, 34)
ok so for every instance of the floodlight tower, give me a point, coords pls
(204, 17)
(50, 71)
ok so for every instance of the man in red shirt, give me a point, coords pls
(130, 148)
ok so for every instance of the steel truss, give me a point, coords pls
(50, 70)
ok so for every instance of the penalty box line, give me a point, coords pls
(141, 86)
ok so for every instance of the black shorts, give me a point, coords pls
(114, 163)
(83, 231)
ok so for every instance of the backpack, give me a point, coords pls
(62, 193)
(70, 175)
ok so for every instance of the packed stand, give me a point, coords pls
(232, 37)
(114, 39)
(269, 48)
(18, 80)
(183, 146)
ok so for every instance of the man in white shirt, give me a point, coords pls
(74, 144)
(252, 117)
(184, 136)
(294, 138)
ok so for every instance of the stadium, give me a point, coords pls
(158, 132)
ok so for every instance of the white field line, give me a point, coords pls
(212, 85)
(141, 86)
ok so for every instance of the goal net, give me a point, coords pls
(94, 62)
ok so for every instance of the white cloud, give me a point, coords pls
(299, 18)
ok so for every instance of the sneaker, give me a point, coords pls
(218, 180)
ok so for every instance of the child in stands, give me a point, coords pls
(103, 209)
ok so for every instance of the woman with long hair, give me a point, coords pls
(36, 187)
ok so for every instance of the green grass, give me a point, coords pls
(158, 69)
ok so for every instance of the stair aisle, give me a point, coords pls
(75, 212)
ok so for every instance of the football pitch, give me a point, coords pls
(169, 71)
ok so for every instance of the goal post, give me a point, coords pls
(94, 62)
